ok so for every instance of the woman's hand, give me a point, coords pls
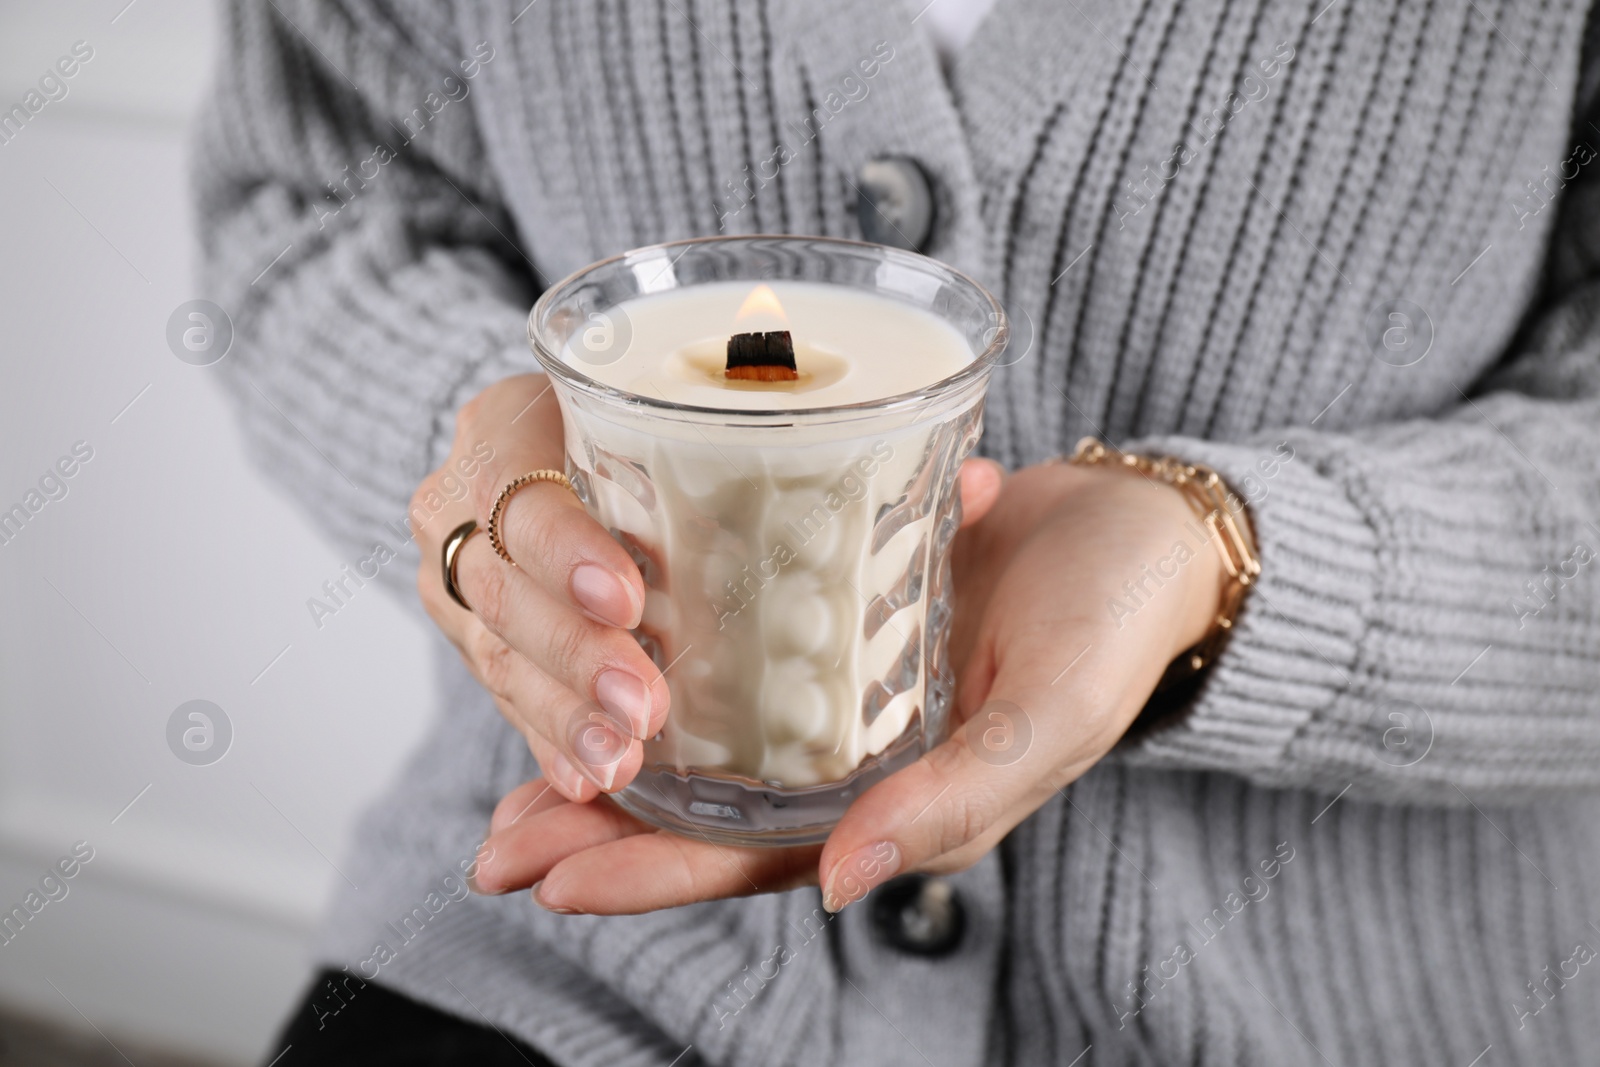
(1050, 676)
(1072, 597)
(548, 638)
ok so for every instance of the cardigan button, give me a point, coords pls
(894, 203)
(919, 915)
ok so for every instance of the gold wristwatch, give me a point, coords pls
(1225, 518)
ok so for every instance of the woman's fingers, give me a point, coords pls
(567, 603)
(947, 811)
(980, 482)
(571, 738)
(945, 803)
(1051, 685)
(582, 745)
(602, 663)
(528, 799)
(569, 555)
(544, 527)
(1016, 745)
(522, 851)
(597, 859)
(641, 872)
(580, 752)
(547, 636)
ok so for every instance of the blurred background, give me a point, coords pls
(169, 572)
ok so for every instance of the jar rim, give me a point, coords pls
(975, 370)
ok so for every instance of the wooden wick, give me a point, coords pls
(761, 357)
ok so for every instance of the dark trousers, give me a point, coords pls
(350, 1023)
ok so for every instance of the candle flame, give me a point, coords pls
(761, 308)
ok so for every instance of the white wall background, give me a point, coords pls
(169, 572)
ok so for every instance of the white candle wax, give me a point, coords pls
(850, 346)
(787, 565)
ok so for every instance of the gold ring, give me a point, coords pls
(452, 551)
(511, 490)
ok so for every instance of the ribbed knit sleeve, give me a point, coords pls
(1428, 616)
(350, 230)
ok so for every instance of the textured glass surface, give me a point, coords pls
(782, 551)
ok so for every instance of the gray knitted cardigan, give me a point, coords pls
(1360, 234)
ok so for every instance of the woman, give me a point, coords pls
(1341, 253)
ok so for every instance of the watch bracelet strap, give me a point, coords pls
(1227, 523)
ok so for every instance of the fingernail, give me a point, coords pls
(626, 701)
(561, 772)
(598, 748)
(858, 873)
(605, 595)
(538, 898)
(475, 880)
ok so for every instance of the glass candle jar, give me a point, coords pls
(794, 539)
